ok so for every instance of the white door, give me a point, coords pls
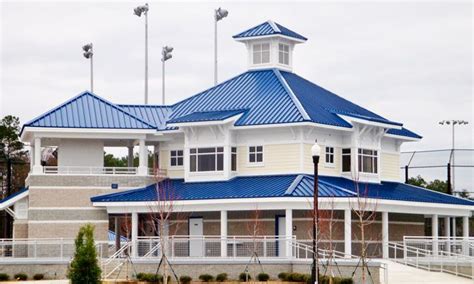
(281, 236)
(196, 246)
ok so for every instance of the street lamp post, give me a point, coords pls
(219, 14)
(453, 123)
(166, 54)
(88, 53)
(316, 152)
(139, 11)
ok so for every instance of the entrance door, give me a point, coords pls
(281, 235)
(196, 244)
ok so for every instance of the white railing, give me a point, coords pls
(458, 245)
(79, 170)
(43, 248)
(440, 261)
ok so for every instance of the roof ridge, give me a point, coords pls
(274, 26)
(292, 95)
(83, 94)
(145, 106)
(293, 185)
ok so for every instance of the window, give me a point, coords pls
(256, 154)
(330, 155)
(206, 159)
(284, 53)
(346, 160)
(368, 161)
(261, 53)
(176, 158)
(234, 159)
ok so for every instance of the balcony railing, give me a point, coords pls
(79, 170)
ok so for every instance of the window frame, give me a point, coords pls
(372, 155)
(233, 159)
(284, 53)
(329, 154)
(256, 152)
(177, 157)
(194, 152)
(343, 155)
(261, 52)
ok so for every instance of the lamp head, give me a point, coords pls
(221, 13)
(87, 47)
(88, 54)
(316, 149)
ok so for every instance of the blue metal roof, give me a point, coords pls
(239, 187)
(153, 114)
(284, 186)
(89, 111)
(206, 116)
(24, 189)
(404, 132)
(269, 28)
(261, 93)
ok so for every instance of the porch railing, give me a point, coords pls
(457, 245)
(79, 170)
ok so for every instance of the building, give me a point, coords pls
(236, 150)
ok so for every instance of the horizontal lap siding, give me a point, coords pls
(324, 169)
(282, 158)
(390, 166)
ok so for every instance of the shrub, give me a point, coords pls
(296, 277)
(206, 277)
(335, 280)
(4, 277)
(150, 277)
(84, 266)
(283, 276)
(185, 279)
(263, 277)
(221, 277)
(21, 276)
(244, 277)
(347, 280)
(38, 276)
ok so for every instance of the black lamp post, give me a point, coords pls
(316, 152)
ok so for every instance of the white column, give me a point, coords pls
(37, 168)
(143, 158)
(465, 235)
(289, 231)
(32, 156)
(134, 234)
(454, 227)
(223, 233)
(447, 233)
(130, 156)
(385, 234)
(347, 232)
(227, 155)
(434, 233)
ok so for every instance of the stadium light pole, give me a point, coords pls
(138, 11)
(316, 152)
(453, 123)
(166, 54)
(88, 54)
(219, 14)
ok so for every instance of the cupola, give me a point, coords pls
(270, 45)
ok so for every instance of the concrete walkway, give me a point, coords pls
(403, 274)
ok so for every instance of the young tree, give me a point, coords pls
(84, 266)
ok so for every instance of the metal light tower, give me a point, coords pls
(88, 53)
(453, 123)
(139, 11)
(316, 152)
(166, 54)
(219, 14)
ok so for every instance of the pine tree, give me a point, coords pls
(84, 268)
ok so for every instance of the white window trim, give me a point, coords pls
(342, 160)
(327, 164)
(197, 173)
(255, 164)
(359, 160)
(261, 53)
(288, 53)
(169, 160)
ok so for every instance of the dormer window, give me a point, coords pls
(283, 54)
(261, 53)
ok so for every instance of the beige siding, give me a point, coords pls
(390, 166)
(324, 169)
(276, 159)
(164, 164)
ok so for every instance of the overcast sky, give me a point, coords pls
(409, 62)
